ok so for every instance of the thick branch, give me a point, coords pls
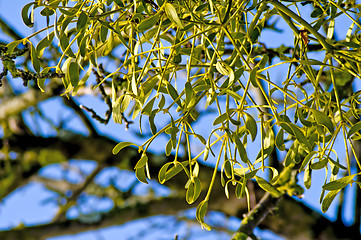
(255, 217)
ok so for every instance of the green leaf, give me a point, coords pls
(193, 190)
(35, 59)
(173, 15)
(189, 93)
(355, 128)
(253, 77)
(227, 168)
(295, 131)
(241, 150)
(83, 47)
(307, 159)
(109, 46)
(280, 143)
(142, 161)
(162, 173)
(153, 127)
(122, 145)
(82, 20)
(320, 164)
(201, 212)
(268, 187)
(177, 168)
(125, 101)
(44, 43)
(339, 183)
(220, 119)
(328, 200)
(11, 46)
(140, 174)
(223, 68)
(119, 3)
(148, 23)
(307, 177)
(74, 73)
(322, 119)
(103, 32)
(251, 126)
(47, 12)
(28, 18)
(173, 93)
(64, 45)
(148, 107)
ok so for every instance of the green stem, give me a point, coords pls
(294, 16)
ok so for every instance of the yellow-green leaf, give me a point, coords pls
(148, 23)
(142, 161)
(251, 126)
(122, 145)
(339, 183)
(355, 128)
(173, 15)
(35, 59)
(28, 18)
(322, 119)
(328, 200)
(82, 20)
(268, 187)
(140, 174)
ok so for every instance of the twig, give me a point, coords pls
(78, 110)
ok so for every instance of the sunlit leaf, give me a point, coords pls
(122, 145)
(328, 200)
(173, 15)
(28, 18)
(268, 187)
(339, 183)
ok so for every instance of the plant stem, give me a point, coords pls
(294, 16)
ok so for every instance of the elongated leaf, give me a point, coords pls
(220, 119)
(307, 159)
(83, 18)
(251, 126)
(173, 15)
(268, 187)
(323, 119)
(280, 143)
(307, 177)
(122, 145)
(339, 183)
(355, 128)
(11, 46)
(328, 200)
(140, 174)
(297, 133)
(148, 107)
(241, 150)
(142, 161)
(177, 168)
(34, 59)
(27, 17)
(162, 173)
(148, 23)
(74, 73)
(201, 212)
(109, 45)
(44, 43)
(173, 93)
(193, 190)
